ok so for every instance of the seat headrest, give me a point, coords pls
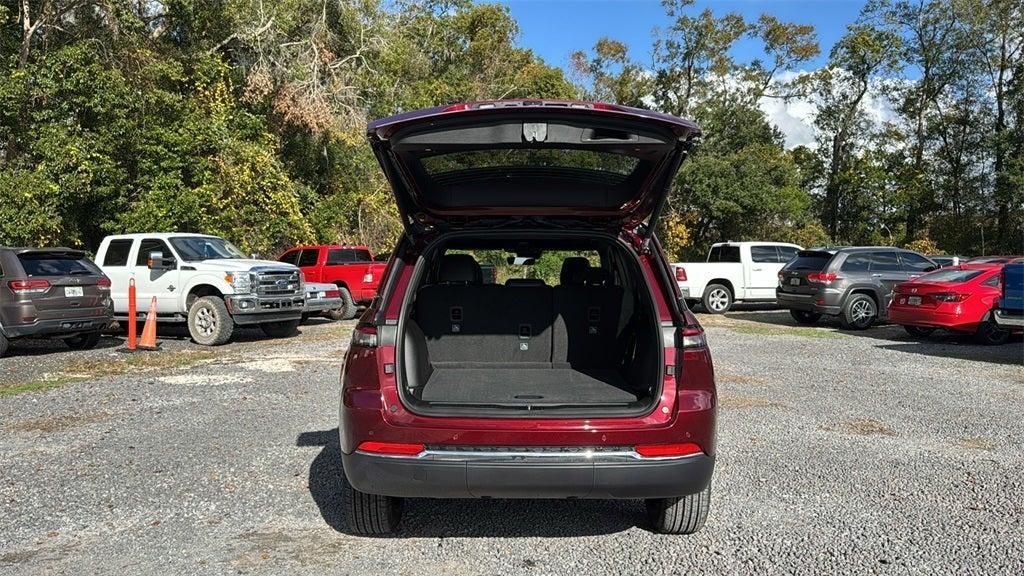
(459, 269)
(525, 282)
(574, 271)
(598, 277)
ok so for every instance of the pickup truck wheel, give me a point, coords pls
(209, 323)
(84, 341)
(991, 334)
(859, 313)
(370, 514)
(805, 317)
(684, 515)
(717, 299)
(348, 307)
(280, 329)
(3, 345)
(918, 331)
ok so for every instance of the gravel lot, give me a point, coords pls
(838, 453)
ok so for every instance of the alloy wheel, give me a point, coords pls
(206, 321)
(718, 300)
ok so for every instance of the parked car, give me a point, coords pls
(734, 272)
(1010, 313)
(945, 261)
(52, 293)
(598, 387)
(958, 299)
(204, 281)
(322, 300)
(351, 268)
(853, 283)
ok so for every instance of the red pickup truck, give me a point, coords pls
(351, 268)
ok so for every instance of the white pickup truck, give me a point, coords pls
(204, 281)
(734, 272)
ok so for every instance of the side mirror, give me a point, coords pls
(158, 262)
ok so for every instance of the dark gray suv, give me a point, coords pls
(52, 292)
(853, 283)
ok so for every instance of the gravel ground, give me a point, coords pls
(838, 453)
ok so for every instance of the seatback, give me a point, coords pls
(588, 327)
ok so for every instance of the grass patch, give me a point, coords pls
(56, 423)
(47, 383)
(785, 331)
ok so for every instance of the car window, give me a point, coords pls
(856, 263)
(339, 256)
(290, 257)
(885, 262)
(787, 253)
(915, 262)
(117, 253)
(308, 258)
(724, 253)
(151, 245)
(809, 260)
(764, 254)
(993, 282)
(43, 264)
(362, 256)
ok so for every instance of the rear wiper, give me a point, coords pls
(77, 272)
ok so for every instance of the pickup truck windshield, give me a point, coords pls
(199, 248)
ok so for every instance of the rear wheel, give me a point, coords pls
(919, 331)
(84, 341)
(991, 333)
(717, 299)
(348, 306)
(280, 329)
(209, 323)
(684, 515)
(804, 317)
(859, 313)
(370, 514)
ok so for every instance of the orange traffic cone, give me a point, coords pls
(148, 340)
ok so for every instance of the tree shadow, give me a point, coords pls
(44, 346)
(472, 518)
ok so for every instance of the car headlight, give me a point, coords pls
(241, 282)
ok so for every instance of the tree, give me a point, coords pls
(612, 76)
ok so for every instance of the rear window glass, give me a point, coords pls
(885, 262)
(308, 258)
(764, 254)
(857, 263)
(951, 275)
(348, 255)
(50, 265)
(724, 254)
(513, 157)
(117, 253)
(809, 260)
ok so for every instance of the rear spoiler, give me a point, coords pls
(65, 252)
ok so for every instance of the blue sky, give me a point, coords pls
(555, 28)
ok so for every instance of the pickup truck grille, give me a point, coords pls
(283, 283)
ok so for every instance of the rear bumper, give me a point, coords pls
(487, 476)
(321, 305)
(59, 326)
(932, 318)
(820, 303)
(1003, 318)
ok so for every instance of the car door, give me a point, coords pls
(886, 272)
(158, 282)
(764, 271)
(115, 266)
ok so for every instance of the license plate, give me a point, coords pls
(794, 281)
(73, 291)
(914, 300)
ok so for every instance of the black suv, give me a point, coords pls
(854, 283)
(52, 292)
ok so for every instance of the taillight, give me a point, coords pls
(693, 337)
(103, 283)
(950, 297)
(668, 450)
(680, 274)
(367, 278)
(28, 286)
(391, 448)
(456, 107)
(332, 294)
(822, 277)
(365, 336)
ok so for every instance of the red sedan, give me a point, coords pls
(959, 299)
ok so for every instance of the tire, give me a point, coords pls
(991, 334)
(280, 329)
(370, 514)
(918, 331)
(209, 323)
(859, 313)
(804, 317)
(684, 515)
(717, 299)
(3, 345)
(336, 314)
(84, 341)
(348, 306)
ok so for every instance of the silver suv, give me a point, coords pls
(853, 283)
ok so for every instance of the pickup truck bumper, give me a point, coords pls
(249, 309)
(468, 475)
(685, 291)
(1005, 318)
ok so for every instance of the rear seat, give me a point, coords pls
(588, 314)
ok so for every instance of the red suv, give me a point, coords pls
(595, 382)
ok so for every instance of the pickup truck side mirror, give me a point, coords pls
(158, 262)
